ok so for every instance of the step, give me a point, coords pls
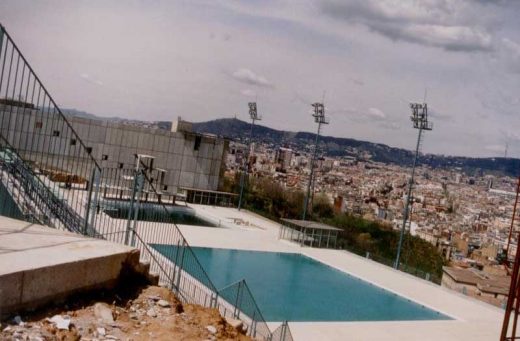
(39, 265)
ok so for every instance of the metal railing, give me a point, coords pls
(49, 176)
(283, 332)
(239, 303)
(29, 191)
(56, 164)
(187, 278)
(428, 276)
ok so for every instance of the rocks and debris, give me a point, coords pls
(151, 312)
(18, 320)
(101, 331)
(113, 318)
(61, 322)
(235, 323)
(211, 329)
(163, 303)
(154, 297)
(103, 313)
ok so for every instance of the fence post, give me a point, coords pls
(176, 268)
(1, 39)
(236, 311)
(284, 330)
(253, 324)
(133, 210)
(97, 185)
(89, 199)
(91, 204)
(139, 183)
(214, 300)
(130, 211)
(179, 268)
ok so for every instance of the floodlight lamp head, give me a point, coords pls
(419, 116)
(253, 111)
(319, 112)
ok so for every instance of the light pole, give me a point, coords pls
(319, 117)
(245, 167)
(420, 121)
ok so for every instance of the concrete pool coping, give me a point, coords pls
(472, 319)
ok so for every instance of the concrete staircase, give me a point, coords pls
(39, 265)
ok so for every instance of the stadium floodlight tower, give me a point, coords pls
(253, 113)
(319, 117)
(420, 121)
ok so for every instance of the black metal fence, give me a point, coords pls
(48, 176)
(429, 276)
(34, 130)
(283, 332)
(240, 304)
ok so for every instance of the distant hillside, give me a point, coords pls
(84, 114)
(336, 146)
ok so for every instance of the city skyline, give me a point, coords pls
(206, 60)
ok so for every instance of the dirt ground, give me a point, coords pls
(151, 313)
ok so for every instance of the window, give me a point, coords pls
(121, 165)
(38, 125)
(89, 150)
(165, 188)
(198, 140)
(56, 133)
(72, 142)
(104, 157)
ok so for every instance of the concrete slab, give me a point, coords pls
(473, 320)
(39, 264)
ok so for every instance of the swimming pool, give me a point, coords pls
(293, 287)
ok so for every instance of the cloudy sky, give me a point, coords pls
(201, 60)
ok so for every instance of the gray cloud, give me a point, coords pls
(249, 77)
(390, 125)
(248, 92)
(440, 116)
(511, 54)
(369, 116)
(375, 114)
(428, 22)
(88, 78)
(358, 82)
(495, 148)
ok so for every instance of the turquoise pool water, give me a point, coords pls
(293, 287)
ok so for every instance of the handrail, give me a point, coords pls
(42, 185)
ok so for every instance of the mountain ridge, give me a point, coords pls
(236, 129)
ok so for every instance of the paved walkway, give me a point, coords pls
(473, 320)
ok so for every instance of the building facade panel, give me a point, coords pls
(189, 159)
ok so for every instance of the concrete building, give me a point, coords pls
(283, 159)
(186, 159)
(487, 287)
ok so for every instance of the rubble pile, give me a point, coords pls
(154, 314)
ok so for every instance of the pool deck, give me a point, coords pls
(243, 230)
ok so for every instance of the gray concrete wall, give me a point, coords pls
(113, 145)
(43, 265)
